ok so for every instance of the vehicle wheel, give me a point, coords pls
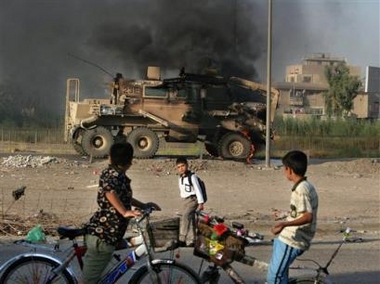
(144, 141)
(34, 269)
(211, 143)
(172, 272)
(212, 149)
(78, 148)
(97, 142)
(234, 146)
(76, 141)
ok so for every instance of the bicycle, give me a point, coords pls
(38, 268)
(322, 275)
(223, 257)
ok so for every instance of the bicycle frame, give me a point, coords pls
(321, 272)
(131, 258)
(250, 239)
(144, 249)
(121, 268)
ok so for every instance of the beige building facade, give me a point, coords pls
(301, 95)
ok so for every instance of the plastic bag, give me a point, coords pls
(36, 235)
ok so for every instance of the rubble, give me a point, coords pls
(16, 225)
(20, 161)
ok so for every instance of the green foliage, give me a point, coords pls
(328, 138)
(9, 101)
(342, 91)
(24, 109)
(320, 138)
(315, 127)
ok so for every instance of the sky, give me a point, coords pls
(44, 42)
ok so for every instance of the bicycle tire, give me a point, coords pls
(34, 270)
(169, 272)
(306, 280)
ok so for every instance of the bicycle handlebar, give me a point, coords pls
(146, 213)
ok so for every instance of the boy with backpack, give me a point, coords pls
(193, 195)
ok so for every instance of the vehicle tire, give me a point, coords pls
(144, 141)
(76, 141)
(212, 149)
(211, 143)
(97, 142)
(78, 148)
(34, 269)
(234, 146)
(169, 272)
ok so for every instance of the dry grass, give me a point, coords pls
(39, 148)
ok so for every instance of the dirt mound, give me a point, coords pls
(359, 166)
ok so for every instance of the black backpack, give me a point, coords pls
(201, 184)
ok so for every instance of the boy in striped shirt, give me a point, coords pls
(296, 233)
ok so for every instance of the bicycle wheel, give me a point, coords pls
(306, 280)
(34, 270)
(168, 272)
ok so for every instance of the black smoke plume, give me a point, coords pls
(37, 38)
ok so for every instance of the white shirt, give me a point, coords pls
(186, 190)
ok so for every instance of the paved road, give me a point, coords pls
(355, 263)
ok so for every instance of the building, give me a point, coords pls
(312, 69)
(367, 104)
(301, 94)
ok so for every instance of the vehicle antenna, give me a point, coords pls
(91, 63)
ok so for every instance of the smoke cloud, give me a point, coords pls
(37, 38)
(122, 36)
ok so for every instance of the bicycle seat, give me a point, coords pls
(70, 233)
(237, 225)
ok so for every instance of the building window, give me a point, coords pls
(375, 111)
(306, 79)
(152, 92)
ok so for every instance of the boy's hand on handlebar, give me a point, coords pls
(132, 214)
(152, 205)
(200, 207)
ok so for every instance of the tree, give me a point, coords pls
(343, 88)
(19, 108)
(9, 101)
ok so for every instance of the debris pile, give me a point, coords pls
(15, 225)
(357, 166)
(20, 161)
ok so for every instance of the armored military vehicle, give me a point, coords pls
(227, 114)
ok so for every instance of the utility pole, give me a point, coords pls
(235, 26)
(269, 93)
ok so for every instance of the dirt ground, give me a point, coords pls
(62, 191)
